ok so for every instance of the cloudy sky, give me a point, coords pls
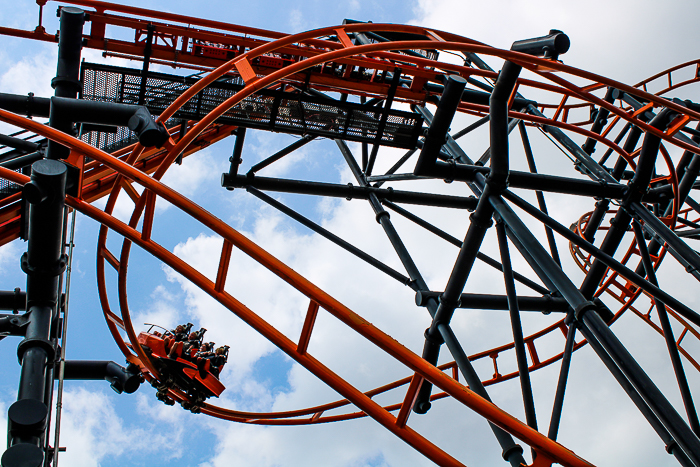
(627, 41)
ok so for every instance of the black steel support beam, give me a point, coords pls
(471, 127)
(18, 143)
(330, 236)
(555, 419)
(518, 339)
(530, 181)
(382, 121)
(393, 168)
(349, 191)
(602, 206)
(609, 261)
(13, 325)
(511, 451)
(121, 379)
(43, 262)
(676, 246)
(458, 243)
(67, 80)
(664, 411)
(480, 222)
(636, 189)
(671, 445)
(22, 161)
(235, 158)
(660, 407)
(146, 63)
(545, 304)
(14, 300)
(61, 109)
(437, 131)
(279, 154)
(601, 119)
(538, 193)
(668, 333)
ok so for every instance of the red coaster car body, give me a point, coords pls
(184, 374)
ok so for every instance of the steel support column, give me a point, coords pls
(43, 262)
(67, 80)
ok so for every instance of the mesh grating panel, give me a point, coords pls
(267, 110)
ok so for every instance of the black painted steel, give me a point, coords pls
(549, 46)
(279, 154)
(518, 339)
(13, 325)
(480, 221)
(530, 181)
(680, 250)
(43, 262)
(235, 158)
(14, 300)
(18, 143)
(656, 401)
(641, 382)
(555, 419)
(330, 236)
(601, 119)
(458, 243)
(348, 191)
(393, 168)
(671, 445)
(382, 121)
(546, 304)
(496, 182)
(146, 63)
(22, 161)
(436, 135)
(538, 193)
(512, 452)
(608, 260)
(121, 379)
(668, 333)
(636, 189)
(29, 105)
(66, 83)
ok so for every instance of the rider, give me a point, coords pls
(194, 341)
(219, 359)
(174, 344)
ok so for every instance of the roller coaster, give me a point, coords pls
(115, 131)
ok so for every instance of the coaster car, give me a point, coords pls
(178, 371)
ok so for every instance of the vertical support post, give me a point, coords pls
(518, 339)
(43, 263)
(67, 80)
(146, 63)
(480, 222)
(235, 158)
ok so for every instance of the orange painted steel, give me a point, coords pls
(412, 361)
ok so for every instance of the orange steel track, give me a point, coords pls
(110, 173)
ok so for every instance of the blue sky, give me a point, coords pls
(102, 428)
